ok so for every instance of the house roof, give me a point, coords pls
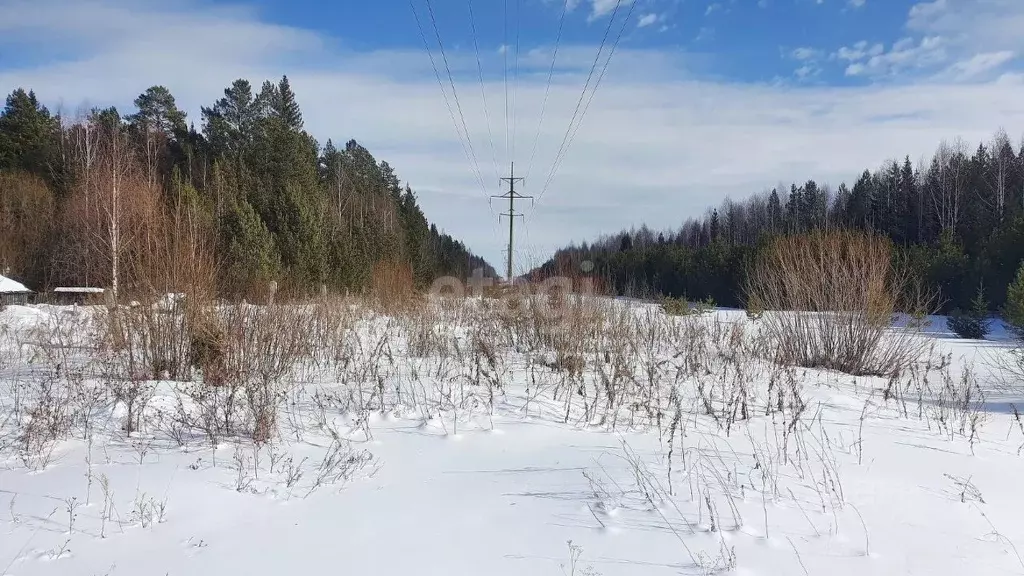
(8, 286)
(78, 290)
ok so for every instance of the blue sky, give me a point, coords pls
(740, 40)
(703, 100)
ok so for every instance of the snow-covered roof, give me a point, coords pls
(78, 290)
(8, 286)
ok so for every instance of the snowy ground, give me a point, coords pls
(446, 443)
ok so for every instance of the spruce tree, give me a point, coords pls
(285, 107)
(28, 134)
(774, 211)
(972, 324)
(1013, 311)
(250, 253)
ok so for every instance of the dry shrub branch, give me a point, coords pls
(832, 298)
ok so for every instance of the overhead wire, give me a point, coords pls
(586, 107)
(511, 127)
(583, 93)
(483, 91)
(547, 87)
(515, 87)
(447, 103)
(504, 55)
(455, 93)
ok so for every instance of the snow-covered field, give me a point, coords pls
(455, 440)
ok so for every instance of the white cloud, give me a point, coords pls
(705, 33)
(601, 8)
(974, 24)
(948, 40)
(657, 144)
(859, 51)
(905, 55)
(648, 20)
(806, 53)
(979, 64)
(809, 59)
(981, 35)
(806, 71)
(711, 8)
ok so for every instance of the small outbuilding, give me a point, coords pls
(68, 295)
(12, 292)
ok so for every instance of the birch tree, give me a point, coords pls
(947, 181)
(998, 174)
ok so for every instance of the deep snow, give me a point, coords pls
(860, 485)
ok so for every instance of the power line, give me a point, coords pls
(515, 87)
(547, 88)
(455, 93)
(444, 95)
(600, 76)
(505, 71)
(483, 92)
(583, 93)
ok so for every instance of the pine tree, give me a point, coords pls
(158, 111)
(230, 123)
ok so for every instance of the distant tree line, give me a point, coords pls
(117, 200)
(958, 220)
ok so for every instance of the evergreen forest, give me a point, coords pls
(147, 200)
(956, 219)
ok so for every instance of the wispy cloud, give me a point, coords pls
(979, 64)
(601, 8)
(904, 55)
(860, 51)
(807, 59)
(655, 133)
(805, 53)
(649, 20)
(982, 35)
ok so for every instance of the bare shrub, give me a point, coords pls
(248, 355)
(166, 331)
(332, 330)
(392, 287)
(52, 395)
(1007, 367)
(269, 342)
(958, 407)
(208, 348)
(832, 298)
(27, 211)
(148, 342)
(423, 332)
